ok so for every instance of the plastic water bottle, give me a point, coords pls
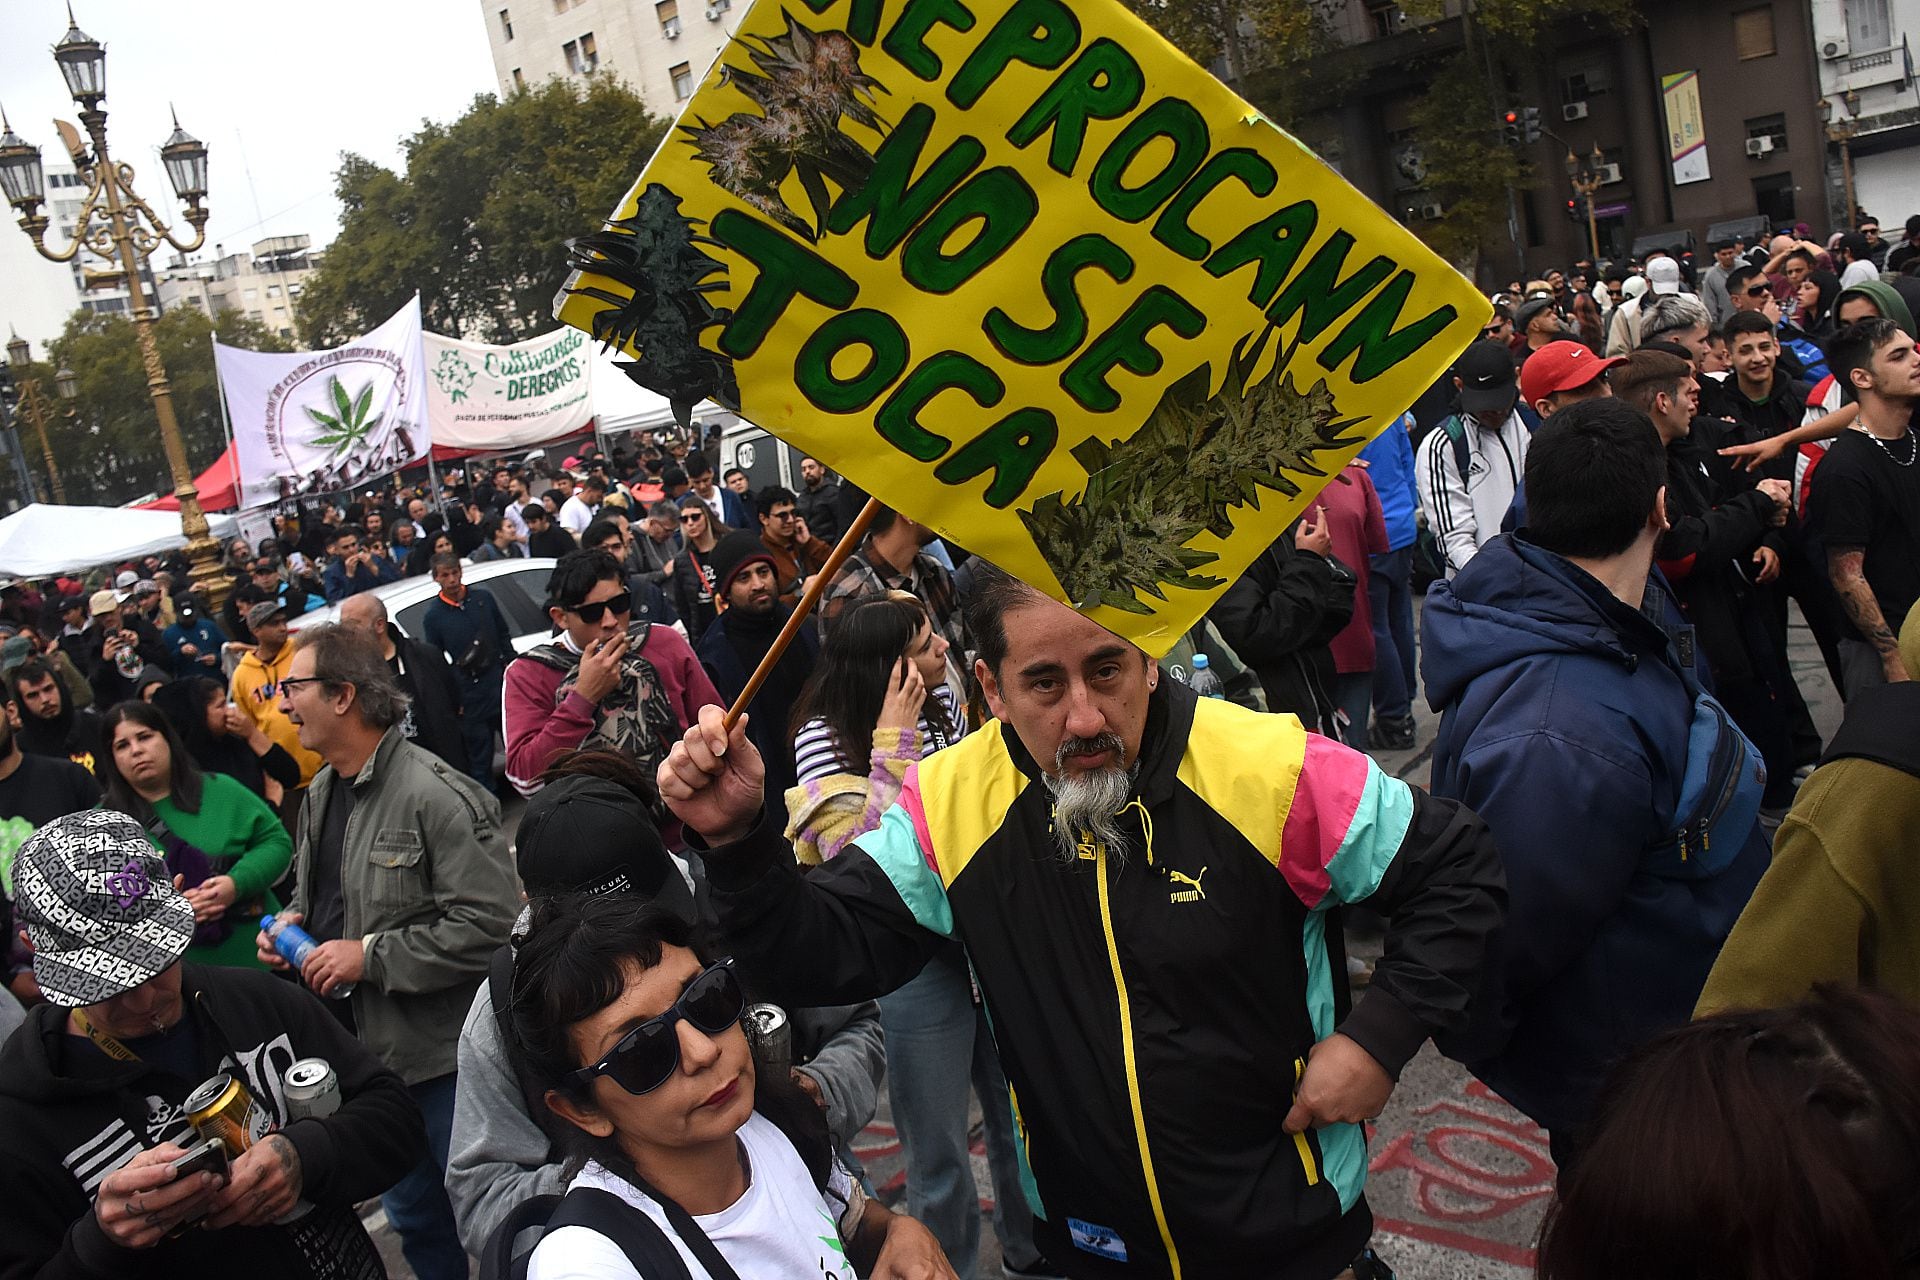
(1204, 682)
(294, 945)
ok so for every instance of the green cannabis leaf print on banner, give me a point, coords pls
(350, 425)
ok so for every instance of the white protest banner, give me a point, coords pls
(481, 397)
(322, 421)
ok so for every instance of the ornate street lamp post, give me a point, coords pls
(1585, 177)
(1841, 132)
(116, 223)
(33, 403)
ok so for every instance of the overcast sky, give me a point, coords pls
(276, 90)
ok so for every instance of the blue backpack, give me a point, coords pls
(1719, 794)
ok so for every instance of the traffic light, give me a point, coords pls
(1530, 124)
(1577, 209)
(1510, 128)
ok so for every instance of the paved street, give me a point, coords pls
(1459, 1179)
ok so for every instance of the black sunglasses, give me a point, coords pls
(647, 1056)
(1760, 291)
(592, 613)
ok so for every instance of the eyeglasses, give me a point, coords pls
(647, 1056)
(290, 683)
(592, 613)
(691, 516)
(1493, 330)
(783, 515)
(1760, 291)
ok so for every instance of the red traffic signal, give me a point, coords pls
(1512, 117)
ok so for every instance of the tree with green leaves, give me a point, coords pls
(108, 446)
(479, 221)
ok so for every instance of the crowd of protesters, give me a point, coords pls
(969, 847)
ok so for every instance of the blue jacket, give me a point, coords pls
(1564, 725)
(204, 635)
(339, 585)
(1389, 459)
(454, 630)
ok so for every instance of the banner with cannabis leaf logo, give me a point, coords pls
(323, 421)
(485, 397)
(1030, 275)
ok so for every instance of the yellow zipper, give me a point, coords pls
(1307, 1162)
(1133, 1078)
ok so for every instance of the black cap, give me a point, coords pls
(583, 834)
(1488, 381)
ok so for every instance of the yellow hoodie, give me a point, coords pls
(256, 691)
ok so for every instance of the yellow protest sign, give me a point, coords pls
(1029, 275)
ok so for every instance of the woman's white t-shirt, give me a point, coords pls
(782, 1227)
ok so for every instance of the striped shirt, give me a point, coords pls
(817, 753)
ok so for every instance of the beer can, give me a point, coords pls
(771, 1037)
(312, 1090)
(222, 1108)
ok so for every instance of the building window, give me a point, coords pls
(506, 24)
(561, 6)
(1753, 33)
(589, 53)
(1773, 128)
(682, 76)
(1384, 19)
(273, 291)
(1869, 25)
(519, 81)
(1584, 82)
(668, 11)
(579, 54)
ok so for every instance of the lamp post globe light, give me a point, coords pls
(116, 223)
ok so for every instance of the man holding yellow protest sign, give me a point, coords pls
(1058, 295)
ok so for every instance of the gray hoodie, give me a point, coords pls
(500, 1157)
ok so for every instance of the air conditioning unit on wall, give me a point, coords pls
(1432, 212)
(1608, 174)
(1573, 111)
(1835, 49)
(671, 28)
(1759, 147)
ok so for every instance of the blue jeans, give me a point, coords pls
(418, 1206)
(1390, 595)
(479, 718)
(936, 1040)
(1353, 693)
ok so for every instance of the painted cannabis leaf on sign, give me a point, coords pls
(807, 82)
(655, 254)
(1196, 457)
(349, 424)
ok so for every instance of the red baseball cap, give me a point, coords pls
(1560, 366)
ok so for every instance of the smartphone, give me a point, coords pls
(209, 1156)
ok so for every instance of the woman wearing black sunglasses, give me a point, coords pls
(637, 1035)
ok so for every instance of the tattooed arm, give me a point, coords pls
(265, 1185)
(1846, 566)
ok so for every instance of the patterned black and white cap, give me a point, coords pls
(99, 906)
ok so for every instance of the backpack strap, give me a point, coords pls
(1462, 447)
(636, 1235)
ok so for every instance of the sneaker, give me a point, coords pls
(1395, 734)
(1038, 1269)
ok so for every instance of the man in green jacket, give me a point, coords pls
(1840, 901)
(404, 879)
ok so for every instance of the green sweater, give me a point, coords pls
(244, 839)
(1841, 899)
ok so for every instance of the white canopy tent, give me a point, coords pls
(620, 404)
(42, 539)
